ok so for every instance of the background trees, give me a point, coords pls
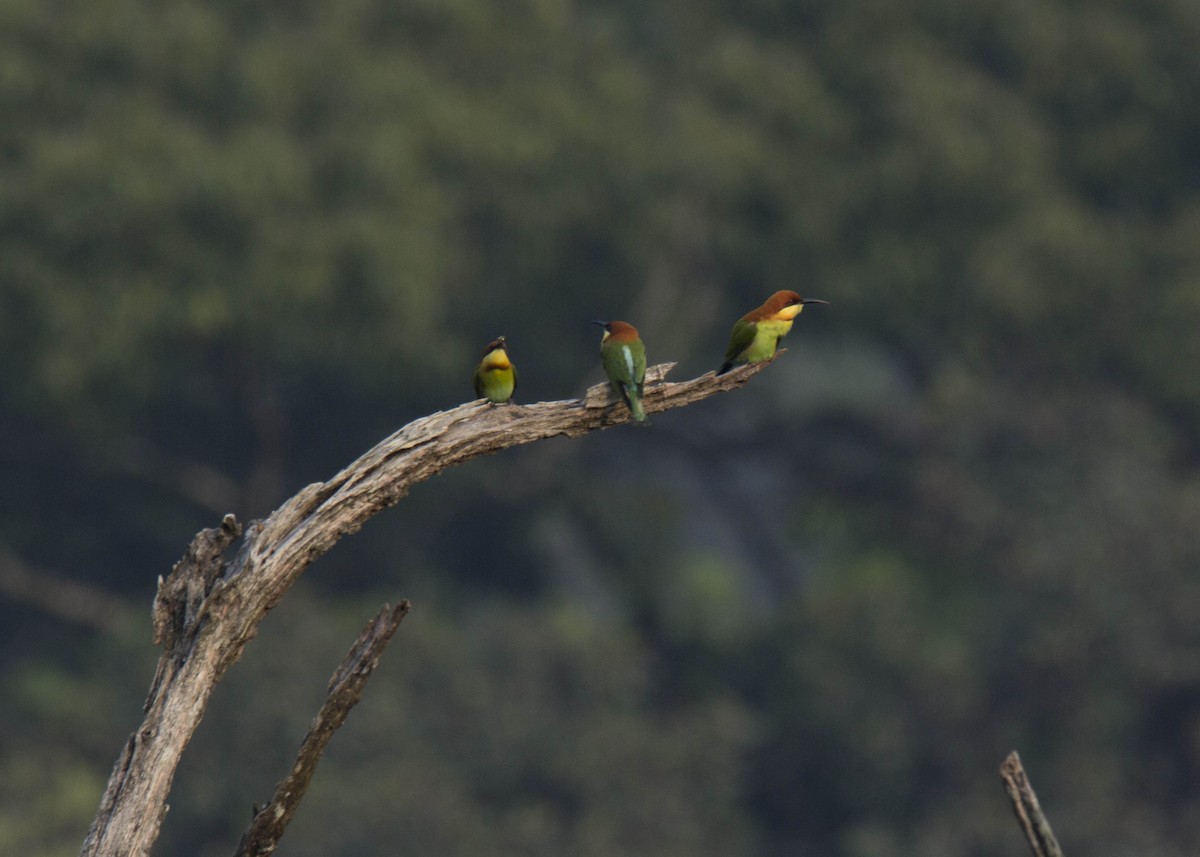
(237, 246)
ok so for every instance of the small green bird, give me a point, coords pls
(756, 335)
(496, 377)
(624, 359)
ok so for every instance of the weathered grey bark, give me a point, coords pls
(1029, 812)
(208, 608)
(345, 690)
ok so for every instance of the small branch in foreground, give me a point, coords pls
(1028, 810)
(345, 690)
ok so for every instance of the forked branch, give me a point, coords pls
(345, 690)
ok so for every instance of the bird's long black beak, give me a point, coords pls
(813, 301)
(601, 323)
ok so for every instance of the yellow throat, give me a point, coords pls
(497, 359)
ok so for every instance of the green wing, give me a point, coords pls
(625, 372)
(742, 338)
(639, 365)
(618, 368)
(625, 366)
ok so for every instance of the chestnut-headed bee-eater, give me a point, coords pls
(496, 377)
(756, 335)
(624, 359)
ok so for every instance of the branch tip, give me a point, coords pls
(1028, 810)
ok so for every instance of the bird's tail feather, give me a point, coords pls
(634, 400)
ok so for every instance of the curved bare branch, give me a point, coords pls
(208, 609)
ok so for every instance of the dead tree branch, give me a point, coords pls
(208, 608)
(1028, 810)
(345, 690)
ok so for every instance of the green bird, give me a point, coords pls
(756, 335)
(624, 359)
(496, 377)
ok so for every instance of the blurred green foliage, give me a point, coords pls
(239, 244)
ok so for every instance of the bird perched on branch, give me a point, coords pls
(756, 335)
(496, 377)
(624, 359)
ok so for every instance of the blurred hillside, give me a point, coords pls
(239, 244)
